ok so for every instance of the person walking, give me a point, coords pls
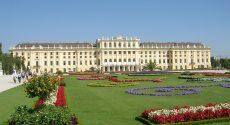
(19, 77)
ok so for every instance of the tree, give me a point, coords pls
(215, 62)
(9, 63)
(92, 69)
(151, 66)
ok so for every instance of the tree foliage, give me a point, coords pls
(9, 63)
(221, 63)
(151, 66)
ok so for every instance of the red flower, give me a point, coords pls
(61, 101)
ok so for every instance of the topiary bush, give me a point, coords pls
(46, 115)
(41, 86)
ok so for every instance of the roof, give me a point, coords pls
(54, 45)
(171, 44)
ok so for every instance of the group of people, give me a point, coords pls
(18, 77)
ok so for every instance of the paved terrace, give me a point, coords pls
(6, 82)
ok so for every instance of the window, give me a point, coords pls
(115, 52)
(129, 45)
(110, 52)
(28, 63)
(51, 63)
(105, 45)
(134, 60)
(119, 52)
(80, 62)
(124, 44)
(85, 62)
(105, 60)
(110, 44)
(114, 45)
(56, 53)
(129, 60)
(80, 53)
(64, 53)
(119, 60)
(73, 62)
(74, 53)
(105, 52)
(51, 53)
(175, 60)
(69, 62)
(45, 63)
(57, 63)
(124, 60)
(64, 63)
(51, 70)
(119, 44)
(69, 53)
(133, 44)
(115, 60)
(129, 52)
(110, 60)
(124, 52)
(133, 52)
(90, 62)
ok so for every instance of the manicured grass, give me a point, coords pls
(11, 99)
(113, 106)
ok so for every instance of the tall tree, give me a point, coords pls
(151, 66)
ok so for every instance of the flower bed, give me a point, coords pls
(90, 78)
(211, 74)
(56, 98)
(61, 100)
(97, 84)
(225, 85)
(187, 113)
(186, 90)
(51, 107)
(114, 79)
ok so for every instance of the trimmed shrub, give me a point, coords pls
(46, 115)
(40, 86)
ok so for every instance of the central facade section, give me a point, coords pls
(119, 54)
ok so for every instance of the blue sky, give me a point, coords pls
(207, 21)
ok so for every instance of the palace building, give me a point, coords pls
(112, 55)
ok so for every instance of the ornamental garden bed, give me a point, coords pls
(111, 84)
(171, 90)
(50, 109)
(208, 113)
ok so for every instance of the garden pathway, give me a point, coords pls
(6, 82)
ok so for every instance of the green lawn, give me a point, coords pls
(112, 105)
(10, 99)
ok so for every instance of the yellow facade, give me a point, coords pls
(112, 55)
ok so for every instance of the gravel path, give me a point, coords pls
(6, 82)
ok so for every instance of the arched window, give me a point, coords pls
(110, 60)
(124, 44)
(114, 44)
(119, 44)
(110, 44)
(105, 45)
(105, 60)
